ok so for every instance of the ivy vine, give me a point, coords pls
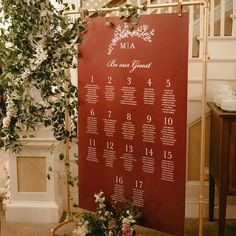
(37, 46)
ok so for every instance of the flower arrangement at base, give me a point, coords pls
(108, 220)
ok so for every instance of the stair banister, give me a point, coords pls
(233, 16)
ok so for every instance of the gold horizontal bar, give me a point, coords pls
(151, 6)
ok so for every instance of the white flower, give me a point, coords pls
(128, 220)
(8, 44)
(6, 121)
(98, 197)
(81, 230)
(11, 105)
(43, 13)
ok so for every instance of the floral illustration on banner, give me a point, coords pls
(120, 33)
(107, 220)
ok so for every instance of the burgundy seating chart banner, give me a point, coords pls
(132, 116)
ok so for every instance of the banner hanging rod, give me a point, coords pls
(141, 7)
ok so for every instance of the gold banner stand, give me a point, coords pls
(205, 58)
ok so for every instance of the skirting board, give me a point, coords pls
(34, 212)
(192, 201)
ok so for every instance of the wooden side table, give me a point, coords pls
(222, 166)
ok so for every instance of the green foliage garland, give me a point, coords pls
(37, 46)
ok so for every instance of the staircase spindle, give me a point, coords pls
(158, 9)
(212, 17)
(190, 51)
(222, 18)
(233, 16)
(170, 8)
(148, 10)
(201, 18)
(139, 3)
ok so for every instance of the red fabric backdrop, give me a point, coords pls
(132, 116)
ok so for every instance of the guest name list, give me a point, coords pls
(132, 117)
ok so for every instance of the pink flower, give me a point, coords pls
(127, 231)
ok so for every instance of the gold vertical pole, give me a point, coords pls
(203, 115)
(67, 152)
(67, 163)
(67, 159)
(67, 146)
